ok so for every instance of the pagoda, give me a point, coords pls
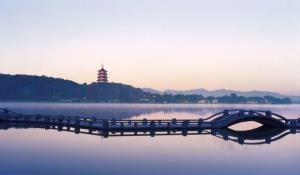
(102, 75)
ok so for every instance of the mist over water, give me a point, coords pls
(163, 111)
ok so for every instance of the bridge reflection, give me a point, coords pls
(258, 136)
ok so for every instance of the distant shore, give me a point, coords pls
(28, 88)
(87, 102)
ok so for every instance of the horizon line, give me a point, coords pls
(164, 90)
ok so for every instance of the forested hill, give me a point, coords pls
(42, 88)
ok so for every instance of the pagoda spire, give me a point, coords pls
(102, 75)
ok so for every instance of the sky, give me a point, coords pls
(161, 44)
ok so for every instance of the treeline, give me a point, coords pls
(42, 88)
(227, 99)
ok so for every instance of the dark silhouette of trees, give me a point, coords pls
(42, 88)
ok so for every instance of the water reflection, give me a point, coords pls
(259, 135)
(37, 151)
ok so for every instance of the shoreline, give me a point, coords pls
(61, 102)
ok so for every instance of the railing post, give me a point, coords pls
(200, 121)
(47, 127)
(168, 127)
(213, 124)
(77, 125)
(77, 121)
(159, 122)
(152, 126)
(241, 113)
(152, 133)
(185, 124)
(184, 132)
(268, 114)
(225, 137)
(105, 133)
(268, 140)
(287, 122)
(68, 121)
(241, 140)
(145, 121)
(113, 122)
(60, 121)
(251, 112)
(135, 128)
(60, 124)
(225, 112)
(293, 123)
(47, 120)
(77, 130)
(59, 127)
(105, 125)
(174, 121)
(122, 125)
(213, 132)
(293, 130)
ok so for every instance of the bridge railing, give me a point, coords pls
(213, 116)
(95, 119)
(271, 115)
(146, 122)
(242, 112)
(228, 112)
(225, 116)
(77, 120)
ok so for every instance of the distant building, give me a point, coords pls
(102, 75)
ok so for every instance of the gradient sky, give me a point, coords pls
(175, 44)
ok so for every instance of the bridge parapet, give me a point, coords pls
(233, 116)
(222, 119)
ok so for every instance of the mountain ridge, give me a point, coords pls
(221, 92)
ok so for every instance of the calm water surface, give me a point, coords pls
(39, 151)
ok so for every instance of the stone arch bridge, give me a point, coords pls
(219, 120)
(274, 126)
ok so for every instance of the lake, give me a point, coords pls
(39, 151)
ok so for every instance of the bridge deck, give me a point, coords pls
(257, 136)
(112, 124)
(219, 120)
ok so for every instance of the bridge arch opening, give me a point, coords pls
(245, 126)
(266, 122)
